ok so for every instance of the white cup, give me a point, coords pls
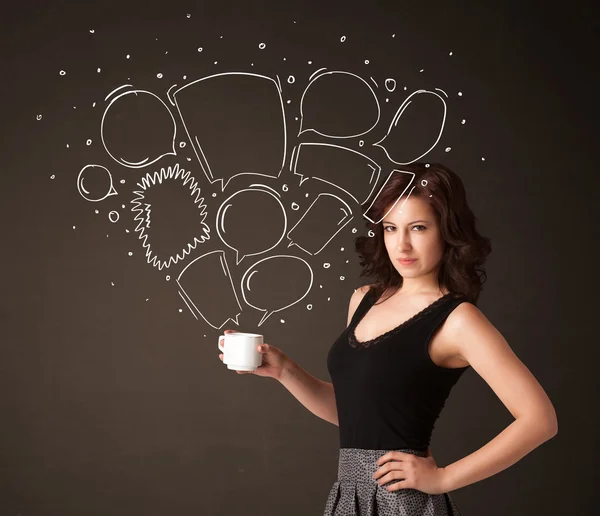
(240, 350)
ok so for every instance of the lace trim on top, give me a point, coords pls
(419, 315)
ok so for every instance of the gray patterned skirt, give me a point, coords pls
(356, 492)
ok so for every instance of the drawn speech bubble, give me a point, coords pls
(339, 92)
(138, 129)
(275, 283)
(95, 183)
(236, 124)
(419, 120)
(251, 221)
(202, 279)
(323, 219)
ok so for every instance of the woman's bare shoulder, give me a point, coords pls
(355, 300)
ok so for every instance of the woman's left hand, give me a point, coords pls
(414, 472)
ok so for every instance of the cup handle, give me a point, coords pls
(219, 343)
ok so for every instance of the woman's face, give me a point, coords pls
(411, 231)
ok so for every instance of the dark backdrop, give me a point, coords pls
(113, 398)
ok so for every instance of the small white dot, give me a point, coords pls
(67, 145)
(126, 231)
(342, 278)
(366, 61)
(328, 299)
(463, 121)
(288, 101)
(96, 212)
(320, 286)
(421, 70)
(184, 77)
(482, 159)
(123, 206)
(73, 227)
(181, 145)
(159, 75)
(112, 283)
(88, 142)
(215, 62)
(448, 149)
(354, 230)
(189, 15)
(450, 54)
(282, 321)
(295, 206)
(310, 62)
(341, 249)
(62, 72)
(130, 253)
(147, 299)
(52, 176)
(127, 56)
(347, 261)
(98, 70)
(92, 31)
(180, 310)
(306, 195)
(343, 38)
(38, 117)
(325, 265)
(168, 278)
(199, 49)
(426, 165)
(214, 194)
(122, 181)
(262, 46)
(460, 93)
(94, 104)
(309, 307)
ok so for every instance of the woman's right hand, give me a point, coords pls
(273, 361)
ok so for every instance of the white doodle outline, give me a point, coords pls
(268, 314)
(196, 144)
(396, 118)
(224, 206)
(347, 216)
(225, 268)
(144, 162)
(412, 174)
(144, 210)
(370, 163)
(83, 191)
(330, 73)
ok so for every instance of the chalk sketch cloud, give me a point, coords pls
(352, 172)
(236, 124)
(242, 221)
(324, 218)
(137, 128)
(188, 185)
(95, 183)
(341, 92)
(419, 120)
(204, 280)
(276, 283)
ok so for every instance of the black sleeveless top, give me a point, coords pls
(388, 391)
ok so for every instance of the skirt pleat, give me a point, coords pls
(356, 492)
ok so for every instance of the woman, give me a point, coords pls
(411, 334)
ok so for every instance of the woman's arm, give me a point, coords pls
(477, 341)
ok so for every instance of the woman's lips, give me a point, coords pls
(406, 262)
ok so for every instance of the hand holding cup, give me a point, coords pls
(273, 360)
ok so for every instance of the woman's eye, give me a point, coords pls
(388, 227)
(419, 227)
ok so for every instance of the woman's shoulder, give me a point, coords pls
(356, 299)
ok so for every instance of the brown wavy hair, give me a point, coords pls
(461, 270)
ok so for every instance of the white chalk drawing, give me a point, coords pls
(244, 213)
(217, 117)
(337, 80)
(352, 172)
(143, 211)
(390, 84)
(131, 109)
(280, 276)
(412, 177)
(209, 269)
(421, 96)
(95, 183)
(324, 218)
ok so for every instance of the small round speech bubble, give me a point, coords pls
(275, 283)
(138, 129)
(251, 221)
(95, 183)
